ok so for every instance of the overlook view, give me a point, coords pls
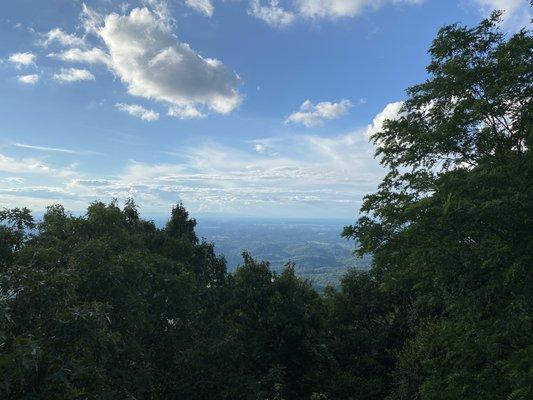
(315, 246)
(266, 200)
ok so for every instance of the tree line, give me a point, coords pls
(109, 306)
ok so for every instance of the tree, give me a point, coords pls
(92, 308)
(279, 323)
(450, 226)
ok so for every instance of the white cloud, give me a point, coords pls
(23, 165)
(331, 8)
(265, 146)
(323, 173)
(311, 114)
(146, 56)
(138, 111)
(13, 179)
(20, 59)
(28, 79)
(341, 8)
(56, 35)
(261, 148)
(141, 49)
(392, 111)
(516, 13)
(318, 176)
(271, 13)
(73, 75)
(54, 149)
(202, 6)
(91, 56)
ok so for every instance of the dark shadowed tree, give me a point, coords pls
(450, 226)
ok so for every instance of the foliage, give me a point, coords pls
(450, 227)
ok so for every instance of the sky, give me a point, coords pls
(251, 108)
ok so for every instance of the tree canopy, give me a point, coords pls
(450, 226)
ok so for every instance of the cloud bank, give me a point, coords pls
(274, 176)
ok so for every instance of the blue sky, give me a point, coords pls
(235, 107)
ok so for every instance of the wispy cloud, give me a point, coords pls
(68, 75)
(310, 174)
(56, 149)
(271, 12)
(138, 111)
(28, 79)
(203, 6)
(15, 179)
(323, 173)
(57, 35)
(33, 166)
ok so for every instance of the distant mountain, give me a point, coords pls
(315, 246)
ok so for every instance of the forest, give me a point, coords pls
(109, 306)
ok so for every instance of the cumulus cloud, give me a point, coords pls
(28, 79)
(392, 111)
(271, 13)
(202, 6)
(138, 111)
(22, 59)
(153, 64)
(141, 49)
(73, 75)
(57, 35)
(310, 114)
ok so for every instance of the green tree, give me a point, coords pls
(96, 307)
(279, 323)
(450, 226)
